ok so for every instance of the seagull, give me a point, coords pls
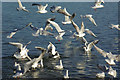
(66, 76)
(98, 5)
(35, 62)
(63, 11)
(110, 61)
(47, 25)
(41, 8)
(40, 31)
(59, 30)
(104, 70)
(80, 32)
(52, 51)
(60, 67)
(68, 19)
(102, 52)
(112, 72)
(22, 54)
(54, 9)
(88, 47)
(21, 7)
(15, 30)
(115, 26)
(91, 19)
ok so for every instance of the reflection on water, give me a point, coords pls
(71, 50)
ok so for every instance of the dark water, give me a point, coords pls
(74, 59)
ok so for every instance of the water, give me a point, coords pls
(74, 59)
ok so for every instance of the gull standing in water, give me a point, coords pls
(91, 19)
(115, 26)
(41, 8)
(59, 30)
(52, 51)
(60, 67)
(23, 51)
(16, 30)
(66, 75)
(21, 7)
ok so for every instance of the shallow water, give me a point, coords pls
(71, 50)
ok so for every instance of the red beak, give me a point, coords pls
(59, 40)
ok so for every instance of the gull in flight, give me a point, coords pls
(34, 63)
(60, 67)
(47, 25)
(21, 7)
(98, 5)
(115, 26)
(66, 75)
(63, 11)
(59, 30)
(16, 30)
(40, 31)
(88, 47)
(68, 19)
(91, 19)
(41, 8)
(52, 51)
(80, 32)
(54, 9)
(22, 54)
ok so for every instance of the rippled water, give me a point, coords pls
(71, 50)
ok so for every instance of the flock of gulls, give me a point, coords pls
(22, 52)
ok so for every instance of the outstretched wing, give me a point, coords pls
(18, 45)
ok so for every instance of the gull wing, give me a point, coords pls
(11, 34)
(63, 11)
(75, 26)
(90, 32)
(20, 4)
(56, 26)
(82, 27)
(44, 7)
(34, 28)
(102, 52)
(90, 45)
(92, 20)
(18, 45)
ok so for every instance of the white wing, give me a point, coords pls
(18, 45)
(93, 21)
(56, 26)
(90, 32)
(20, 4)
